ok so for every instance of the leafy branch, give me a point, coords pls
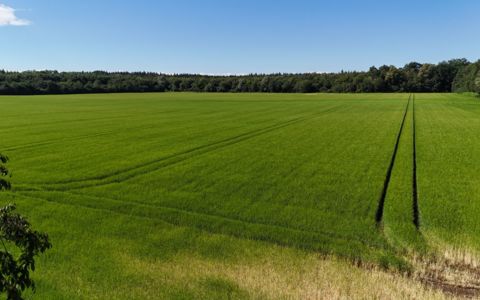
(16, 231)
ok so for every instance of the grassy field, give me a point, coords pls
(151, 196)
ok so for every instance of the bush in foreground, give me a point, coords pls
(19, 246)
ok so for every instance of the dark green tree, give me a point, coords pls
(20, 244)
(453, 75)
(4, 183)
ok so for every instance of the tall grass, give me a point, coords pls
(131, 186)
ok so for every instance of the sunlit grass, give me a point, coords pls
(206, 195)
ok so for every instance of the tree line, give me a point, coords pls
(456, 75)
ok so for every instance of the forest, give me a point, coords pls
(456, 75)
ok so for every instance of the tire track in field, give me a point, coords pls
(416, 212)
(187, 211)
(381, 201)
(54, 141)
(99, 119)
(78, 137)
(180, 217)
(59, 122)
(69, 139)
(154, 165)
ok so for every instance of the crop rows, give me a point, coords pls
(315, 172)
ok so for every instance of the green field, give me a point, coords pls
(135, 189)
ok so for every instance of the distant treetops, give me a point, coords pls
(457, 75)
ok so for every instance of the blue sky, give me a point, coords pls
(234, 37)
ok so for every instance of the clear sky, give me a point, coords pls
(234, 36)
